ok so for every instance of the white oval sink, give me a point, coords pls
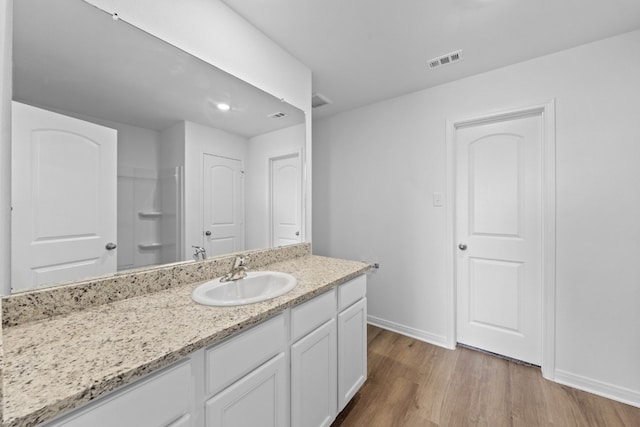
(257, 286)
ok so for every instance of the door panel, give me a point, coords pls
(493, 281)
(286, 187)
(498, 218)
(495, 176)
(258, 399)
(223, 206)
(63, 197)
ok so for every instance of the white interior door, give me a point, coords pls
(286, 197)
(223, 205)
(499, 236)
(63, 198)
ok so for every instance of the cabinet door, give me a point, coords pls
(352, 351)
(313, 378)
(258, 399)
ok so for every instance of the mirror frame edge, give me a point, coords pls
(6, 35)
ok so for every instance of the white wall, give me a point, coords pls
(138, 147)
(201, 139)
(375, 169)
(261, 149)
(171, 156)
(172, 146)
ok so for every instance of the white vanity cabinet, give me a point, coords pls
(164, 399)
(314, 357)
(328, 353)
(352, 339)
(296, 369)
(246, 378)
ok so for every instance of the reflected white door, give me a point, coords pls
(499, 233)
(286, 196)
(63, 196)
(223, 205)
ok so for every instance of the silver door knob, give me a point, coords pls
(462, 247)
(297, 233)
(110, 246)
(207, 233)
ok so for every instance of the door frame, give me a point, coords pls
(270, 160)
(548, 255)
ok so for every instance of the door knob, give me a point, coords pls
(297, 233)
(110, 246)
(462, 247)
(207, 233)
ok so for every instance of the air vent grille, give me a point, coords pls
(447, 59)
(277, 115)
(318, 100)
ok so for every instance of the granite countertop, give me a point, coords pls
(57, 364)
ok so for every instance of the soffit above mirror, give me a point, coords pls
(58, 44)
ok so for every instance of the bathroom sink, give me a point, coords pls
(257, 286)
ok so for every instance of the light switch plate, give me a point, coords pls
(438, 200)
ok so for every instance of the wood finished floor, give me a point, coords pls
(412, 383)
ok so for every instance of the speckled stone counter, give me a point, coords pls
(55, 364)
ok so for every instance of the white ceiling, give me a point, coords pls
(363, 51)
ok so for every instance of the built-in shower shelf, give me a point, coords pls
(150, 214)
(150, 245)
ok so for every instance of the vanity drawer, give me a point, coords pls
(233, 359)
(351, 291)
(308, 316)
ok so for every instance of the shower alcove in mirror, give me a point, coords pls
(179, 170)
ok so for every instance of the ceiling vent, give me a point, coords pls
(447, 59)
(318, 100)
(277, 115)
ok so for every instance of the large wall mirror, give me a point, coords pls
(127, 152)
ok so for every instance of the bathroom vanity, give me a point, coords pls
(160, 359)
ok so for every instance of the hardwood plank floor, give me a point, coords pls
(412, 383)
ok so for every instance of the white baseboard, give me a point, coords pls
(610, 391)
(427, 337)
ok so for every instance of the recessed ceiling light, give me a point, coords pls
(224, 107)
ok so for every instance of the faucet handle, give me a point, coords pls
(241, 261)
(200, 252)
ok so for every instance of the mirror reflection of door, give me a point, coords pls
(223, 205)
(286, 187)
(63, 198)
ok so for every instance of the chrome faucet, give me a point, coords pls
(200, 254)
(239, 270)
